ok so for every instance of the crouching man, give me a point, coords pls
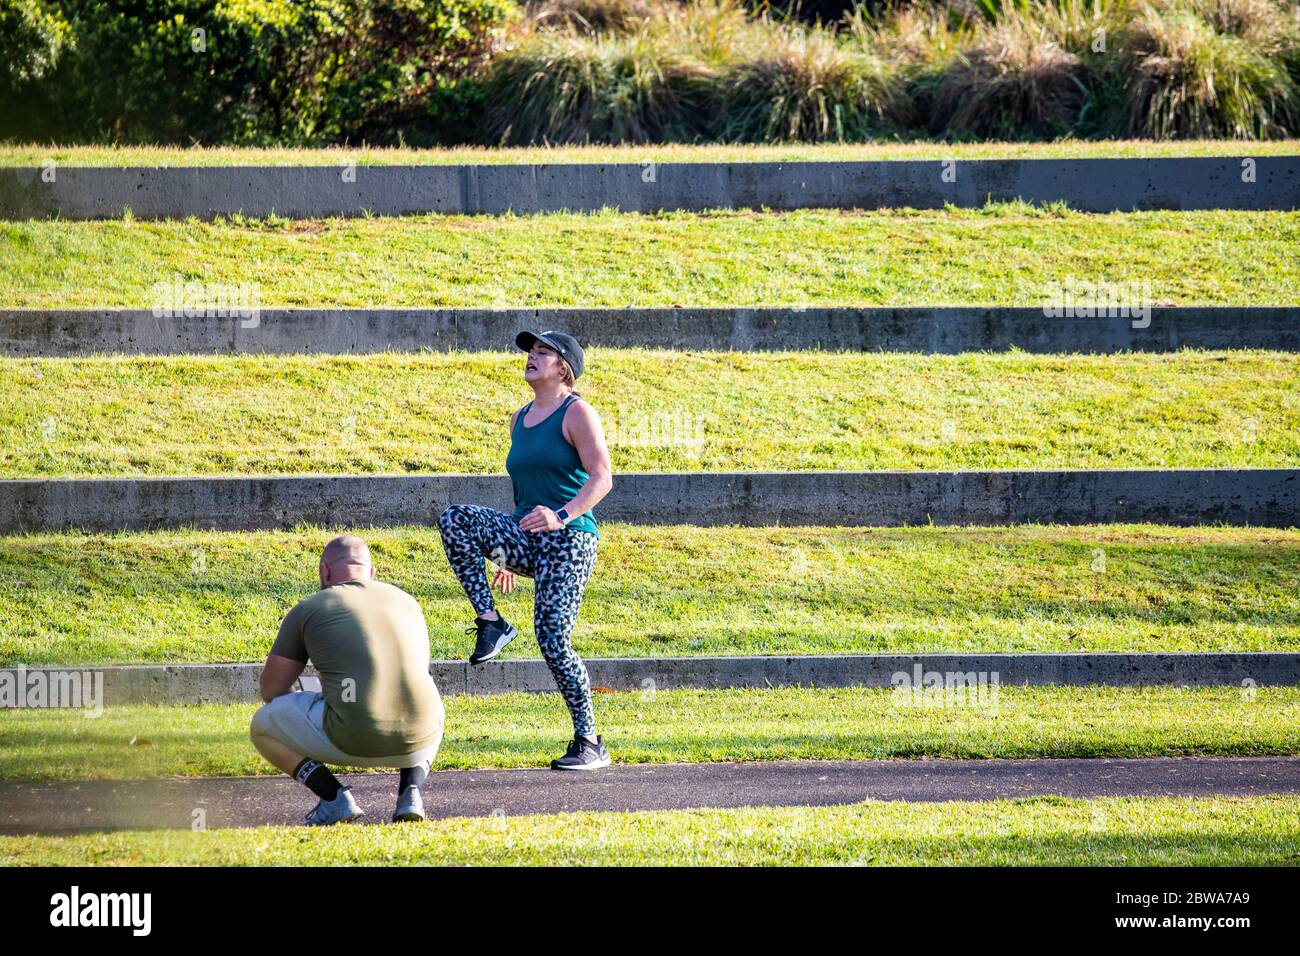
(379, 706)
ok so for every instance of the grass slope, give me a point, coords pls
(682, 590)
(34, 155)
(1004, 254)
(662, 411)
(528, 730)
(1148, 831)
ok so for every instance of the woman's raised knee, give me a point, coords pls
(449, 516)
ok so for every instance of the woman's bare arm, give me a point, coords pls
(583, 430)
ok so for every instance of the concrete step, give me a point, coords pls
(922, 329)
(1261, 497)
(1091, 185)
(88, 686)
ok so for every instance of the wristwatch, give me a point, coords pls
(563, 515)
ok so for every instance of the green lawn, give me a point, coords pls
(1004, 254)
(1048, 831)
(35, 154)
(527, 730)
(662, 411)
(684, 590)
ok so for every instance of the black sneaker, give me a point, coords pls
(583, 755)
(493, 636)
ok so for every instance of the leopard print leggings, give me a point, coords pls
(559, 562)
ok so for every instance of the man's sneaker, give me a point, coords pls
(410, 806)
(583, 755)
(339, 810)
(493, 636)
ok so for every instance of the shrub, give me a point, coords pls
(1016, 82)
(714, 32)
(594, 16)
(259, 71)
(300, 72)
(32, 36)
(396, 64)
(922, 34)
(918, 42)
(1189, 79)
(188, 70)
(807, 85)
(611, 88)
(557, 83)
(1259, 21)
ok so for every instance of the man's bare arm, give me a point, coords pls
(278, 676)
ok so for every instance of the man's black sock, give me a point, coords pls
(316, 777)
(412, 777)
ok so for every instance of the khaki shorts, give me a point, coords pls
(298, 722)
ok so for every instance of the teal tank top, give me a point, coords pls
(545, 469)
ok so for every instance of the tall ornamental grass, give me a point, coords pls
(714, 70)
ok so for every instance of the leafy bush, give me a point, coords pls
(32, 36)
(398, 61)
(186, 70)
(260, 71)
(300, 72)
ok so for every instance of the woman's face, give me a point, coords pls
(543, 363)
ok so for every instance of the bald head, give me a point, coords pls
(346, 558)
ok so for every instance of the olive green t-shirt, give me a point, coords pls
(370, 645)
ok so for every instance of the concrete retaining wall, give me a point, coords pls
(1260, 497)
(227, 683)
(930, 330)
(1095, 185)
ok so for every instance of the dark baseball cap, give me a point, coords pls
(562, 342)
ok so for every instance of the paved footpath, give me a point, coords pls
(257, 801)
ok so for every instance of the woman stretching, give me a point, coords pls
(559, 467)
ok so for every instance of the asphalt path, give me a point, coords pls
(214, 802)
